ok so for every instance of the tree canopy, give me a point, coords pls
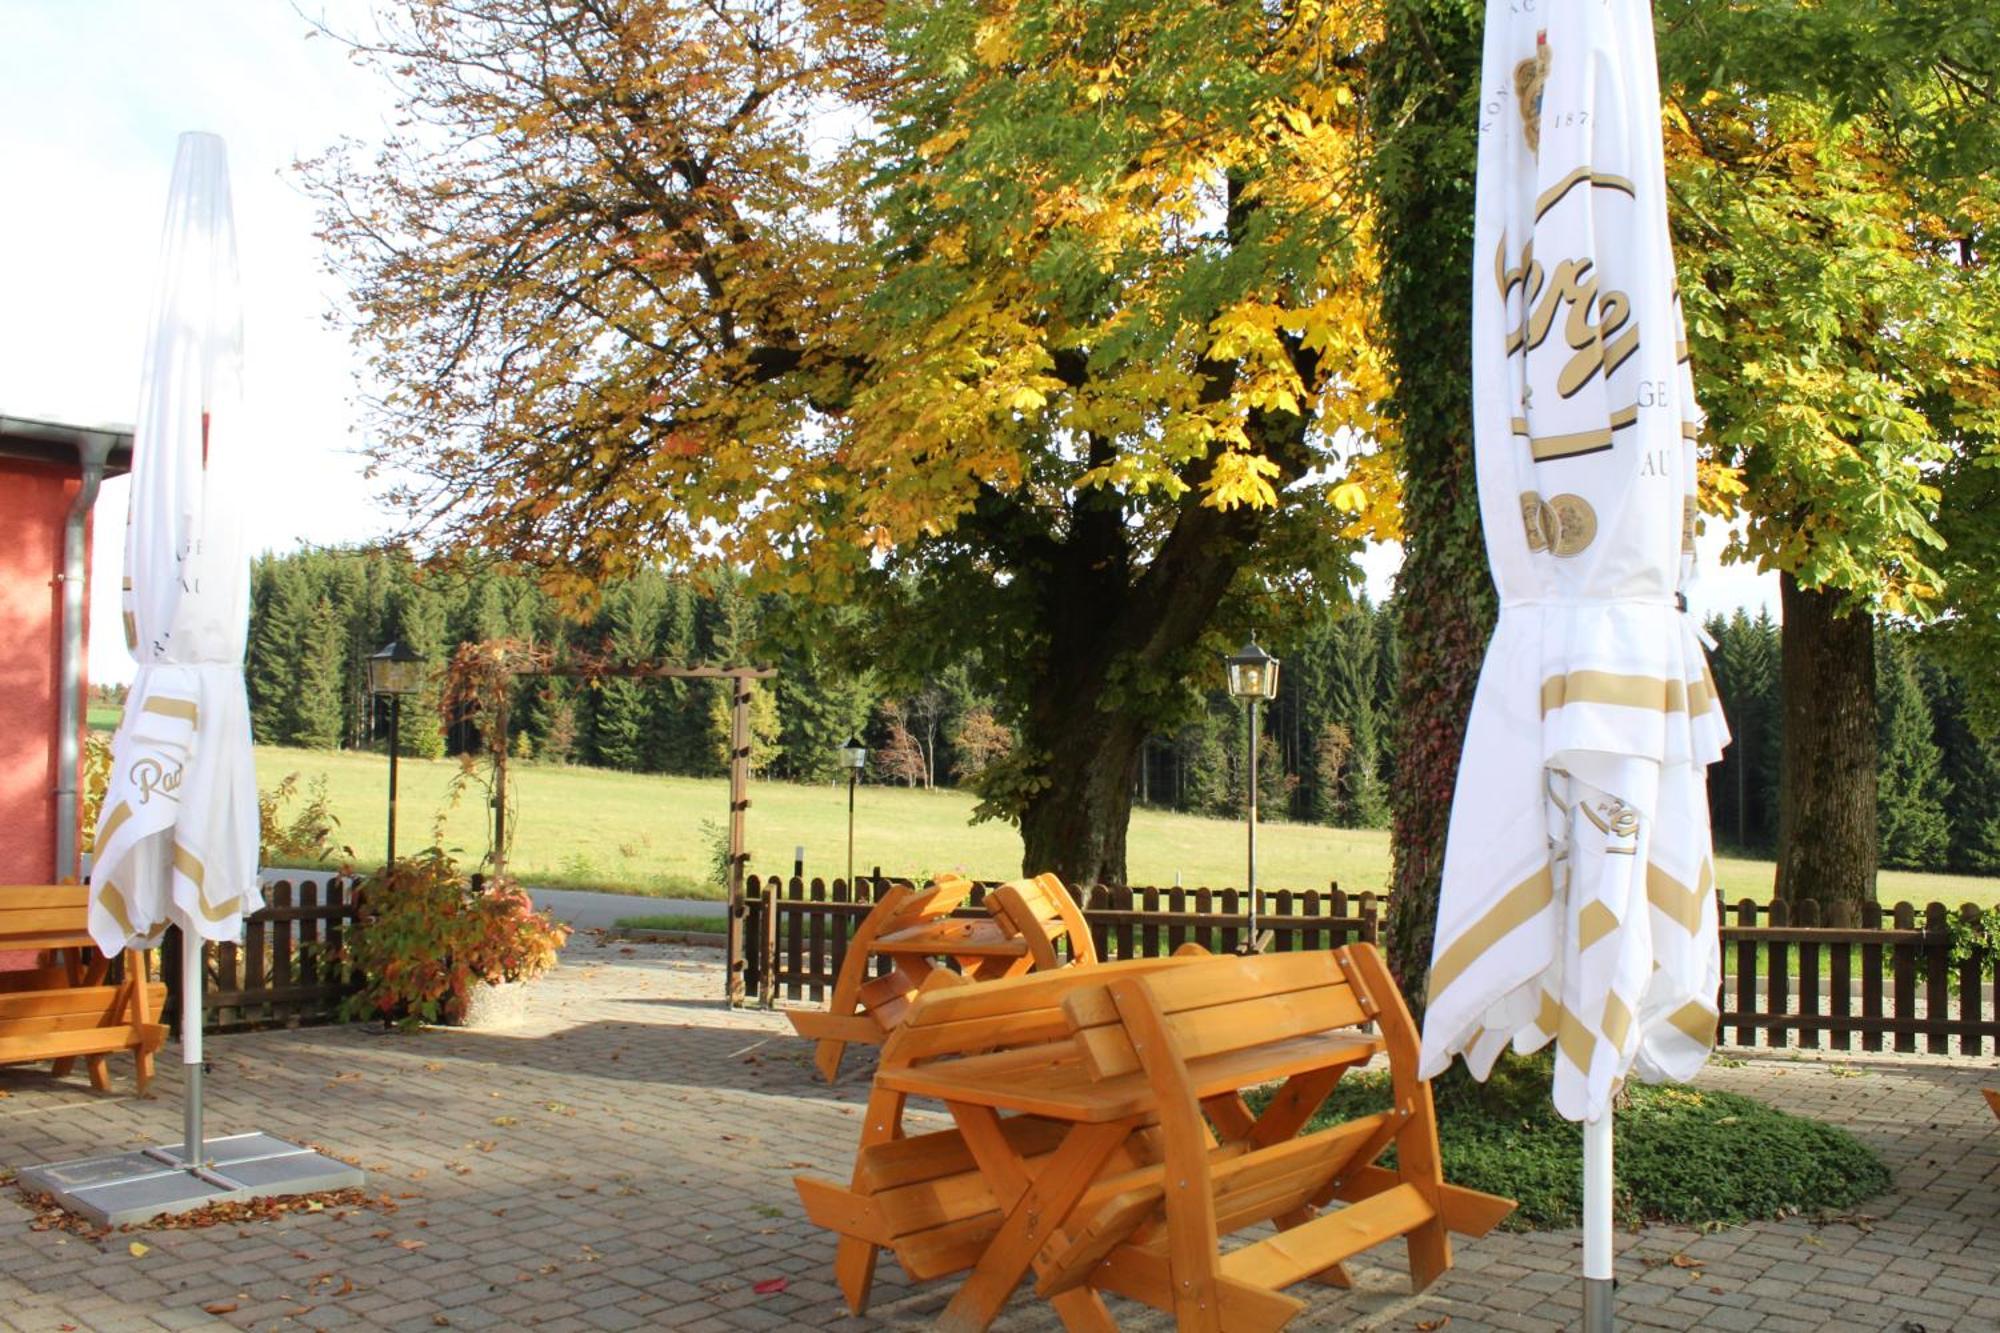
(1040, 325)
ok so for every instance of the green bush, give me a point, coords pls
(1684, 1154)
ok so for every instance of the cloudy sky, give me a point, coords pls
(93, 94)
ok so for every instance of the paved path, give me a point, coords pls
(601, 910)
(581, 908)
(624, 1161)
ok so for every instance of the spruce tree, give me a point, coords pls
(1742, 788)
(417, 617)
(316, 713)
(280, 612)
(1355, 688)
(631, 626)
(1910, 785)
(677, 718)
(1972, 768)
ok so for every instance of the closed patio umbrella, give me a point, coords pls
(1578, 904)
(178, 831)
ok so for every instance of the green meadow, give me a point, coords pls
(587, 828)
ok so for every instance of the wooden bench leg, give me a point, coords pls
(141, 1010)
(1035, 1209)
(827, 1058)
(854, 1259)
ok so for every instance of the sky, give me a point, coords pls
(93, 94)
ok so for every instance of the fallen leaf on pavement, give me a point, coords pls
(140, 1249)
(219, 1307)
(770, 1285)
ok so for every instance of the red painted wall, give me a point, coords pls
(34, 502)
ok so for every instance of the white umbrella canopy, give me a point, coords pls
(1577, 904)
(177, 836)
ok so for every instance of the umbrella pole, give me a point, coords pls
(1597, 1261)
(192, 1142)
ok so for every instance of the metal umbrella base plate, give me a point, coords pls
(138, 1186)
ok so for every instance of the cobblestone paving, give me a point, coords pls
(624, 1161)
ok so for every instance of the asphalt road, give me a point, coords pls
(586, 910)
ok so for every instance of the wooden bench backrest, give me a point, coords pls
(1225, 1004)
(946, 894)
(31, 914)
(1043, 911)
(953, 1017)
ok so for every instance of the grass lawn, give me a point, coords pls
(639, 833)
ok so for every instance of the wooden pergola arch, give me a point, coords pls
(534, 662)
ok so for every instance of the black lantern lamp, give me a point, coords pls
(853, 757)
(1253, 678)
(396, 670)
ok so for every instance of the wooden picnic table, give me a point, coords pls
(919, 935)
(1101, 1138)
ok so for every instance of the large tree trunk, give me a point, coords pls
(1076, 825)
(1827, 848)
(1428, 66)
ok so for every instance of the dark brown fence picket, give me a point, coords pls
(1937, 977)
(1905, 983)
(286, 972)
(1840, 989)
(1871, 979)
(1981, 1015)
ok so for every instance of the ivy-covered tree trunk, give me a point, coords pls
(1827, 847)
(1426, 79)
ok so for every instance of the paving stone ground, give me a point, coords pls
(625, 1161)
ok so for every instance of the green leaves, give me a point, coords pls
(1844, 352)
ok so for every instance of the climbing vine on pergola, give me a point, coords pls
(479, 687)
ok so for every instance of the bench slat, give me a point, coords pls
(1294, 1255)
(74, 1000)
(955, 937)
(17, 1049)
(1066, 1090)
(79, 938)
(75, 896)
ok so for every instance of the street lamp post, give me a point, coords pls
(853, 756)
(1253, 678)
(396, 670)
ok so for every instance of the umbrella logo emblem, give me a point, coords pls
(149, 775)
(1565, 524)
(1531, 76)
(1538, 519)
(1575, 525)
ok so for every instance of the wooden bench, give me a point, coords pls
(1042, 912)
(1102, 1139)
(64, 1009)
(915, 930)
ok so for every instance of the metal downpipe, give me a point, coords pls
(92, 449)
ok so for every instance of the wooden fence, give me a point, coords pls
(797, 929)
(1887, 981)
(284, 973)
(1794, 979)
